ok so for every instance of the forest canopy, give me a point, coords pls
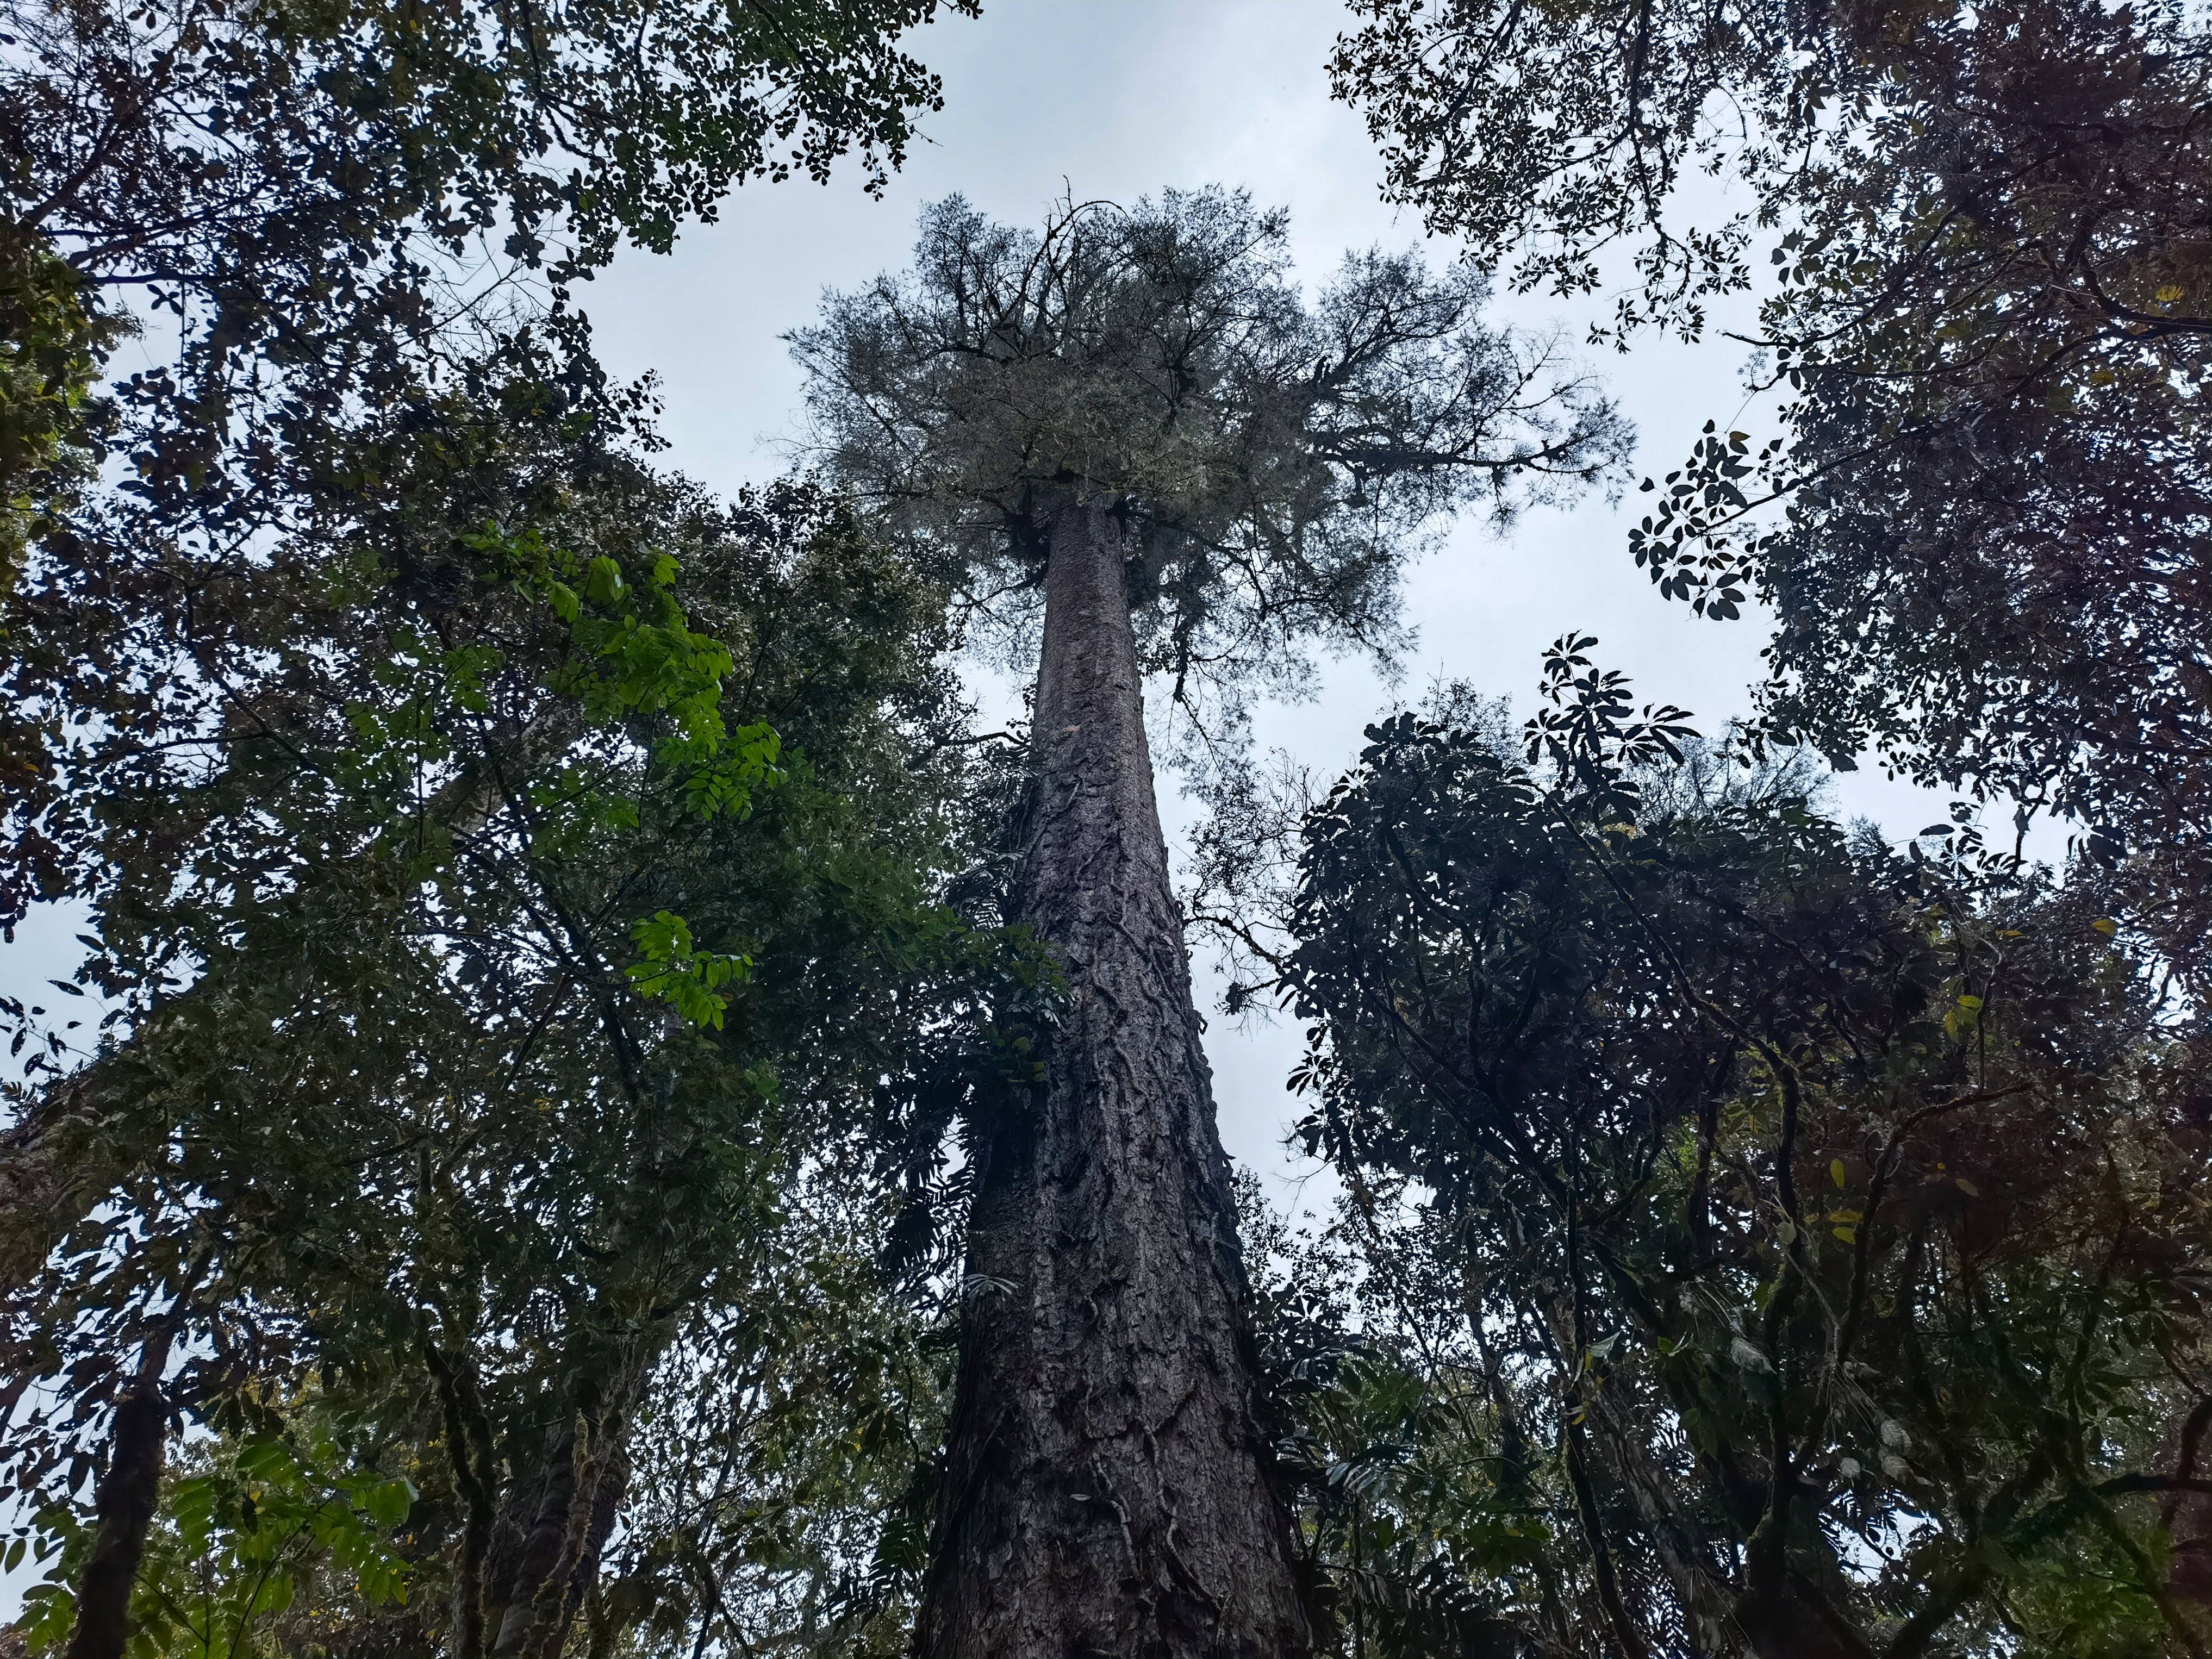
(630, 1079)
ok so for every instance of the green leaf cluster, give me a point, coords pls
(1973, 237)
(470, 1060)
(50, 418)
(258, 1524)
(1749, 1228)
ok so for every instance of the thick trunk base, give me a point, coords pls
(1107, 1488)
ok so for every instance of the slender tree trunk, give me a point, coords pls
(468, 1449)
(1106, 1489)
(2187, 1516)
(129, 1487)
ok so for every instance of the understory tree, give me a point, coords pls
(513, 877)
(497, 950)
(1757, 1240)
(1981, 530)
(373, 699)
(1136, 416)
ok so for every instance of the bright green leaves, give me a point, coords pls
(1963, 1018)
(603, 582)
(676, 972)
(50, 1607)
(50, 347)
(634, 654)
(243, 1540)
(722, 782)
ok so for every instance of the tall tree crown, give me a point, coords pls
(1274, 460)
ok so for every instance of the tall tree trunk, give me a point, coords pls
(1106, 1489)
(129, 1488)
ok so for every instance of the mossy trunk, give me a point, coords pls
(544, 1562)
(1107, 1488)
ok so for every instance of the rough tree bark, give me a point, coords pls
(1106, 1489)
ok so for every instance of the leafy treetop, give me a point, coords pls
(1271, 458)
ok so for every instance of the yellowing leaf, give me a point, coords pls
(1836, 1171)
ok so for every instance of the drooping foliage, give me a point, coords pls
(1757, 1239)
(1981, 528)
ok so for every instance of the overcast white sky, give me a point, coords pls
(1117, 98)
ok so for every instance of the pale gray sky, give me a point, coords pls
(1115, 99)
